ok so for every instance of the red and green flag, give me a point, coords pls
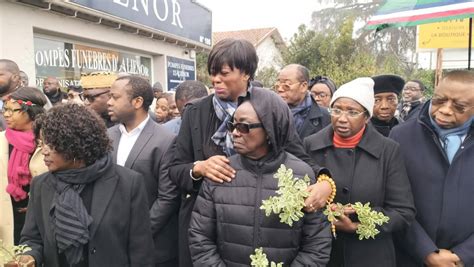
(398, 13)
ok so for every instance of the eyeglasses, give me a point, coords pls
(319, 95)
(335, 112)
(91, 98)
(10, 111)
(242, 127)
(71, 96)
(411, 89)
(286, 85)
(456, 107)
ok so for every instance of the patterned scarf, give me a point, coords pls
(407, 107)
(451, 138)
(301, 111)
(68, 214)
(18, 171)
(224, 111)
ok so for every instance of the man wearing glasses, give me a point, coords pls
(292, 86)
(386, 91)
(438, 150)
(412, 99)
(96, 93)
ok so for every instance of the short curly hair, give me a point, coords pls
(75, 132)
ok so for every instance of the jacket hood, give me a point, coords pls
(275, 116)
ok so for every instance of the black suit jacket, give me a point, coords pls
(149, 157)
(120, 230)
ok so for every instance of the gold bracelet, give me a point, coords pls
(324, 177)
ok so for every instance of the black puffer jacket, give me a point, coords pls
(227, 223)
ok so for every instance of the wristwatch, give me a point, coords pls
(191, 172)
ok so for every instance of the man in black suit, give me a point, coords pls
(141, 145)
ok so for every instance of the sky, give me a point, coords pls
(230, 15)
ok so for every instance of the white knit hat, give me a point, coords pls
(360, 90)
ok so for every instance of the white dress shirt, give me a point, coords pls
(127, 141)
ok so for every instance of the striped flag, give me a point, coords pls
(398, 13)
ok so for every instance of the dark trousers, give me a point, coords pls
(18, 218)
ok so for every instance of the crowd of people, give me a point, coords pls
(116, 172)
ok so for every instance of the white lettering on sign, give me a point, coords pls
(91, 60)
(161, 9)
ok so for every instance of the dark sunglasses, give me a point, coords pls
(91, 98)
(242, 127)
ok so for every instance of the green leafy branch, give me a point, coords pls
(290, 197)
(368, 218)
(11, 253)
(259, 259)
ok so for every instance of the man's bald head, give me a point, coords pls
(9, 65)
(9, 76)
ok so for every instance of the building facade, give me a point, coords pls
(155, 39)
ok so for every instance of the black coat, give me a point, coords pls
(372, 172)
(317, 119)
(150, 157)
(194, 143)
(120, 230)
(443, 193)
(227, 223)
(383, 127)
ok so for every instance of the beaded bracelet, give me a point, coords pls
(324, 177)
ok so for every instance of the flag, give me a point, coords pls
(399, 13)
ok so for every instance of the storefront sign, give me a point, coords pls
(67, 61)
(448, 34)
(179, 70)
(184, 18)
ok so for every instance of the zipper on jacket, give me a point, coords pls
(258, 203)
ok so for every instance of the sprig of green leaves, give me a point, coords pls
(290, 197)
(10, 253)
(368, 218)
(259, 259)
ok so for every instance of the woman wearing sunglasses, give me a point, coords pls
(227, 224)
(367, 167)
(20, 159)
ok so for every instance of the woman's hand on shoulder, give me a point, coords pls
(215, 168)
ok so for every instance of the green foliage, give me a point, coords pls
(267, 76)
(333, 53)
(259, 259)
(201, 68)
(11, 253)
(368, 218)
(290, 197)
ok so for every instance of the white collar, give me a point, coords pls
(137, 129)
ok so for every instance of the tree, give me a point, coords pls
(267, 76)
(201, 68)
(334, 53)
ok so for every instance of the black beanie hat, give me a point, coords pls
(388, 83)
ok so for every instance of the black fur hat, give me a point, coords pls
(388, 83)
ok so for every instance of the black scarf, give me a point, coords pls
(68, 214)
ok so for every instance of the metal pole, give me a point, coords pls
(470, 45)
